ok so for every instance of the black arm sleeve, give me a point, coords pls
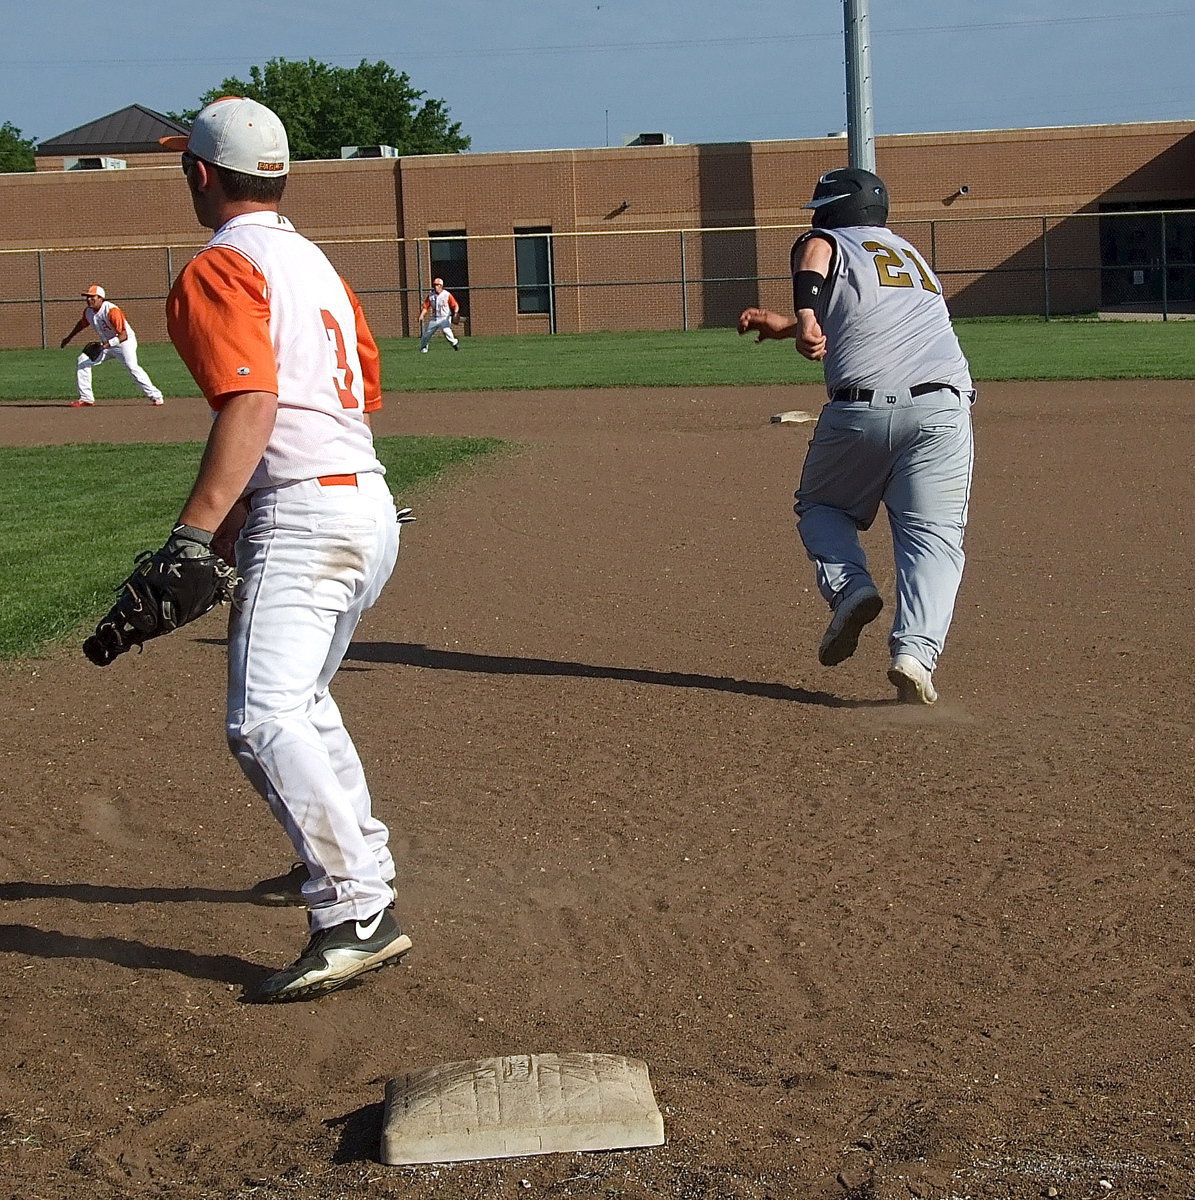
(807, 286)
(810, 286)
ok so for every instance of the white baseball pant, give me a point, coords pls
(312, 558)
(429, 330)
(124, 353)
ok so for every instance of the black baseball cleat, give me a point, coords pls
(281, 890)
(336, 955)
(860, 608)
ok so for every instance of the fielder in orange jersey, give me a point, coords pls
(278, 344)
(116, 340)
(439, 311)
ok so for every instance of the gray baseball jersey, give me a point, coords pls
(882, 311)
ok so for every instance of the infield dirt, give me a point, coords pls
(867, 951)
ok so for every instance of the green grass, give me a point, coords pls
(1002, 349)
(1011, 349)
(998, 348)
(578, 360)
(50, 374)
(76, 515)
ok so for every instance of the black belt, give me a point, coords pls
(866, 395)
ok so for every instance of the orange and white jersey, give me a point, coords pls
(261, 309)
(108, 322)
(440, 304)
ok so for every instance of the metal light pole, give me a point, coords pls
(860, 126)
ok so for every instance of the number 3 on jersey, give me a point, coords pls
(890, 267)
(342, 377)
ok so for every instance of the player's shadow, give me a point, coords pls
(103, 893)
(412, 655)
(123, 952)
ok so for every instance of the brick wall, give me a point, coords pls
(131, 230)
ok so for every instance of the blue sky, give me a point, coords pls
(544, 74)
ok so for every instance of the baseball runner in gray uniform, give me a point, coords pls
(896, 429)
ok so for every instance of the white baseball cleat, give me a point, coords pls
(158, 402)
(860, 608)
(914, 683)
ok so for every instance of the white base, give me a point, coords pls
(520, 1104)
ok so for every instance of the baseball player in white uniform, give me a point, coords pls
(896, 430)
(438, 312)
(115, 340)
(278, 344)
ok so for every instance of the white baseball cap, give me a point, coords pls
(95, 290)
(239, 134)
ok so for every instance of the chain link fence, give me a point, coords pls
(1117, 263)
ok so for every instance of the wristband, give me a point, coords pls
(807, 286)
(114, 341)
(192, 534)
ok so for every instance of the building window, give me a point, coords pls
(533, 269)
(448, 257)
(1147, 255)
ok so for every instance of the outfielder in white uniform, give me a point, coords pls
(278, 344)
(896, 430)
(116, 341)
(438, 312)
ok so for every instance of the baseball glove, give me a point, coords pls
(167, 590)
(93, 350)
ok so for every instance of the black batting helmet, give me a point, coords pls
(849, 196)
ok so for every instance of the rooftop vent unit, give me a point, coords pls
(368, 152)
(94, 162)
(650, 139)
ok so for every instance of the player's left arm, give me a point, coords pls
(811, 263)
(767, 325)
(235, 446)
(217, 316)
(119, 324)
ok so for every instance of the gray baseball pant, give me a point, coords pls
(914, 454)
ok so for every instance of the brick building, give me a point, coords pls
(651, 236)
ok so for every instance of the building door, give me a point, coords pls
(535, 285)
(448, 258)
(1147, 256)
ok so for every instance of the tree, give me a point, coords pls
(325, 107)
(16, 152)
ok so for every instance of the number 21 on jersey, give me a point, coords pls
(342, 376)
(891, 267)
